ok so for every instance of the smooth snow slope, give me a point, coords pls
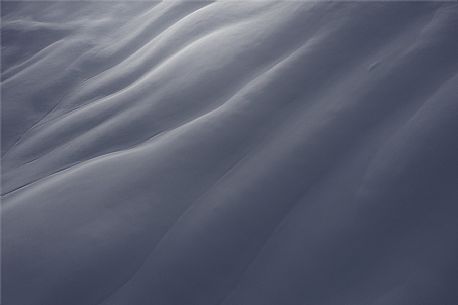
(229, 153)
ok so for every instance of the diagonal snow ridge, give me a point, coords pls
(229, 152)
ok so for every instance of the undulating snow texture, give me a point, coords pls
(230, 153)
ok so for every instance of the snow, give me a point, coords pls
(231, 153)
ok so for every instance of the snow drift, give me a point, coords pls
(229, 153)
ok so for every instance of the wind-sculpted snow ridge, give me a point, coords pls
(229, 153)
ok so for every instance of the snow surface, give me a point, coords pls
(229, 153)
